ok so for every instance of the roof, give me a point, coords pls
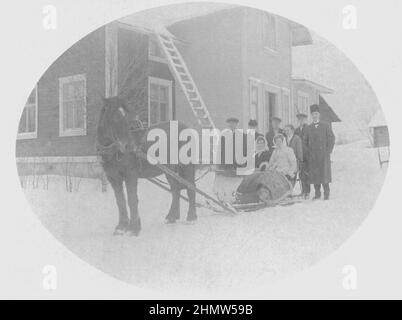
(378, 120)
(157, 20)
(319, 87)
(301, 36)
(327, 113)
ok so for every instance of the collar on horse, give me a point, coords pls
(113, 148)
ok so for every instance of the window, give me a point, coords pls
(302, 102)
(286, 112)
(270, 36)
(160, 101)
(28, 127)
(155, 51)
(72, 95)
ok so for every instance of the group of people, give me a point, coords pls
(303, 151)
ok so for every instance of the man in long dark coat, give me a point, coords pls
(303, 174)
(319, 141)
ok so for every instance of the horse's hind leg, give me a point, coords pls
(117, 186)
(192, 211)
(132, 195)
(188, 173)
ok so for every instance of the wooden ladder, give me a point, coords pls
(182, 74)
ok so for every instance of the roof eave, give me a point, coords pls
(319, 87)
(301, 36)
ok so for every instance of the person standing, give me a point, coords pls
(302, 125)
(294, 142)
(253, 125)
(233, 133)
(319, 141)
(274, 130)
(303, 165)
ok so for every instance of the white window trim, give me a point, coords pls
(286, 92)
(71, 132)
(31, 135)
(152, 57)
(267, 48)
(257, 84)
(162, 82)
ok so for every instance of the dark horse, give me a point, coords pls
(118, 137)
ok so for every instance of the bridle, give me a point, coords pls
(110, 149)
(114, 146)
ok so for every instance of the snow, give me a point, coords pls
(218, 252)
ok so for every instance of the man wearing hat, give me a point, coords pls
(301, 132)
(232, 127)
(274, 130)
(253, 125)
(319, 141)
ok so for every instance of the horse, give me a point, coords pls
(118, 138)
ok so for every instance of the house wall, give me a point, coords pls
(87, 56)
(84, 57)
(268, 69)
(134, 46)
(211, 48)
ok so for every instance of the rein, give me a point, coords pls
(109, 149)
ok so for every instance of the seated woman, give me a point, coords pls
(261, 157)
(283, 159)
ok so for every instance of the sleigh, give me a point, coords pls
(254, 191)
(234, 192)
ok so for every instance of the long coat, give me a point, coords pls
(319, 142)
(296, 144)
(301, 132)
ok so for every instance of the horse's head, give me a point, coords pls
(118, 125)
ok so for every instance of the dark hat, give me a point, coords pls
(232, 120)
(301, 115)
(276, 119)
(279, 136)
(314, 108)
(252, 123)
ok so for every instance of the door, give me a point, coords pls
(270, 106)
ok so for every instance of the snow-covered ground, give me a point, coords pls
(218, 252)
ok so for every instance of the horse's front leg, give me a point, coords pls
(174, 212)
(117, 185)
(132, 195)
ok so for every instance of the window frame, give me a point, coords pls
(33, 134)
(254, 84)
(264, 31)
(286, 92)
(76, 131)
(160, 82)
(151, 57)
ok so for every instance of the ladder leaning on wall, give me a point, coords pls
(187, 84)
